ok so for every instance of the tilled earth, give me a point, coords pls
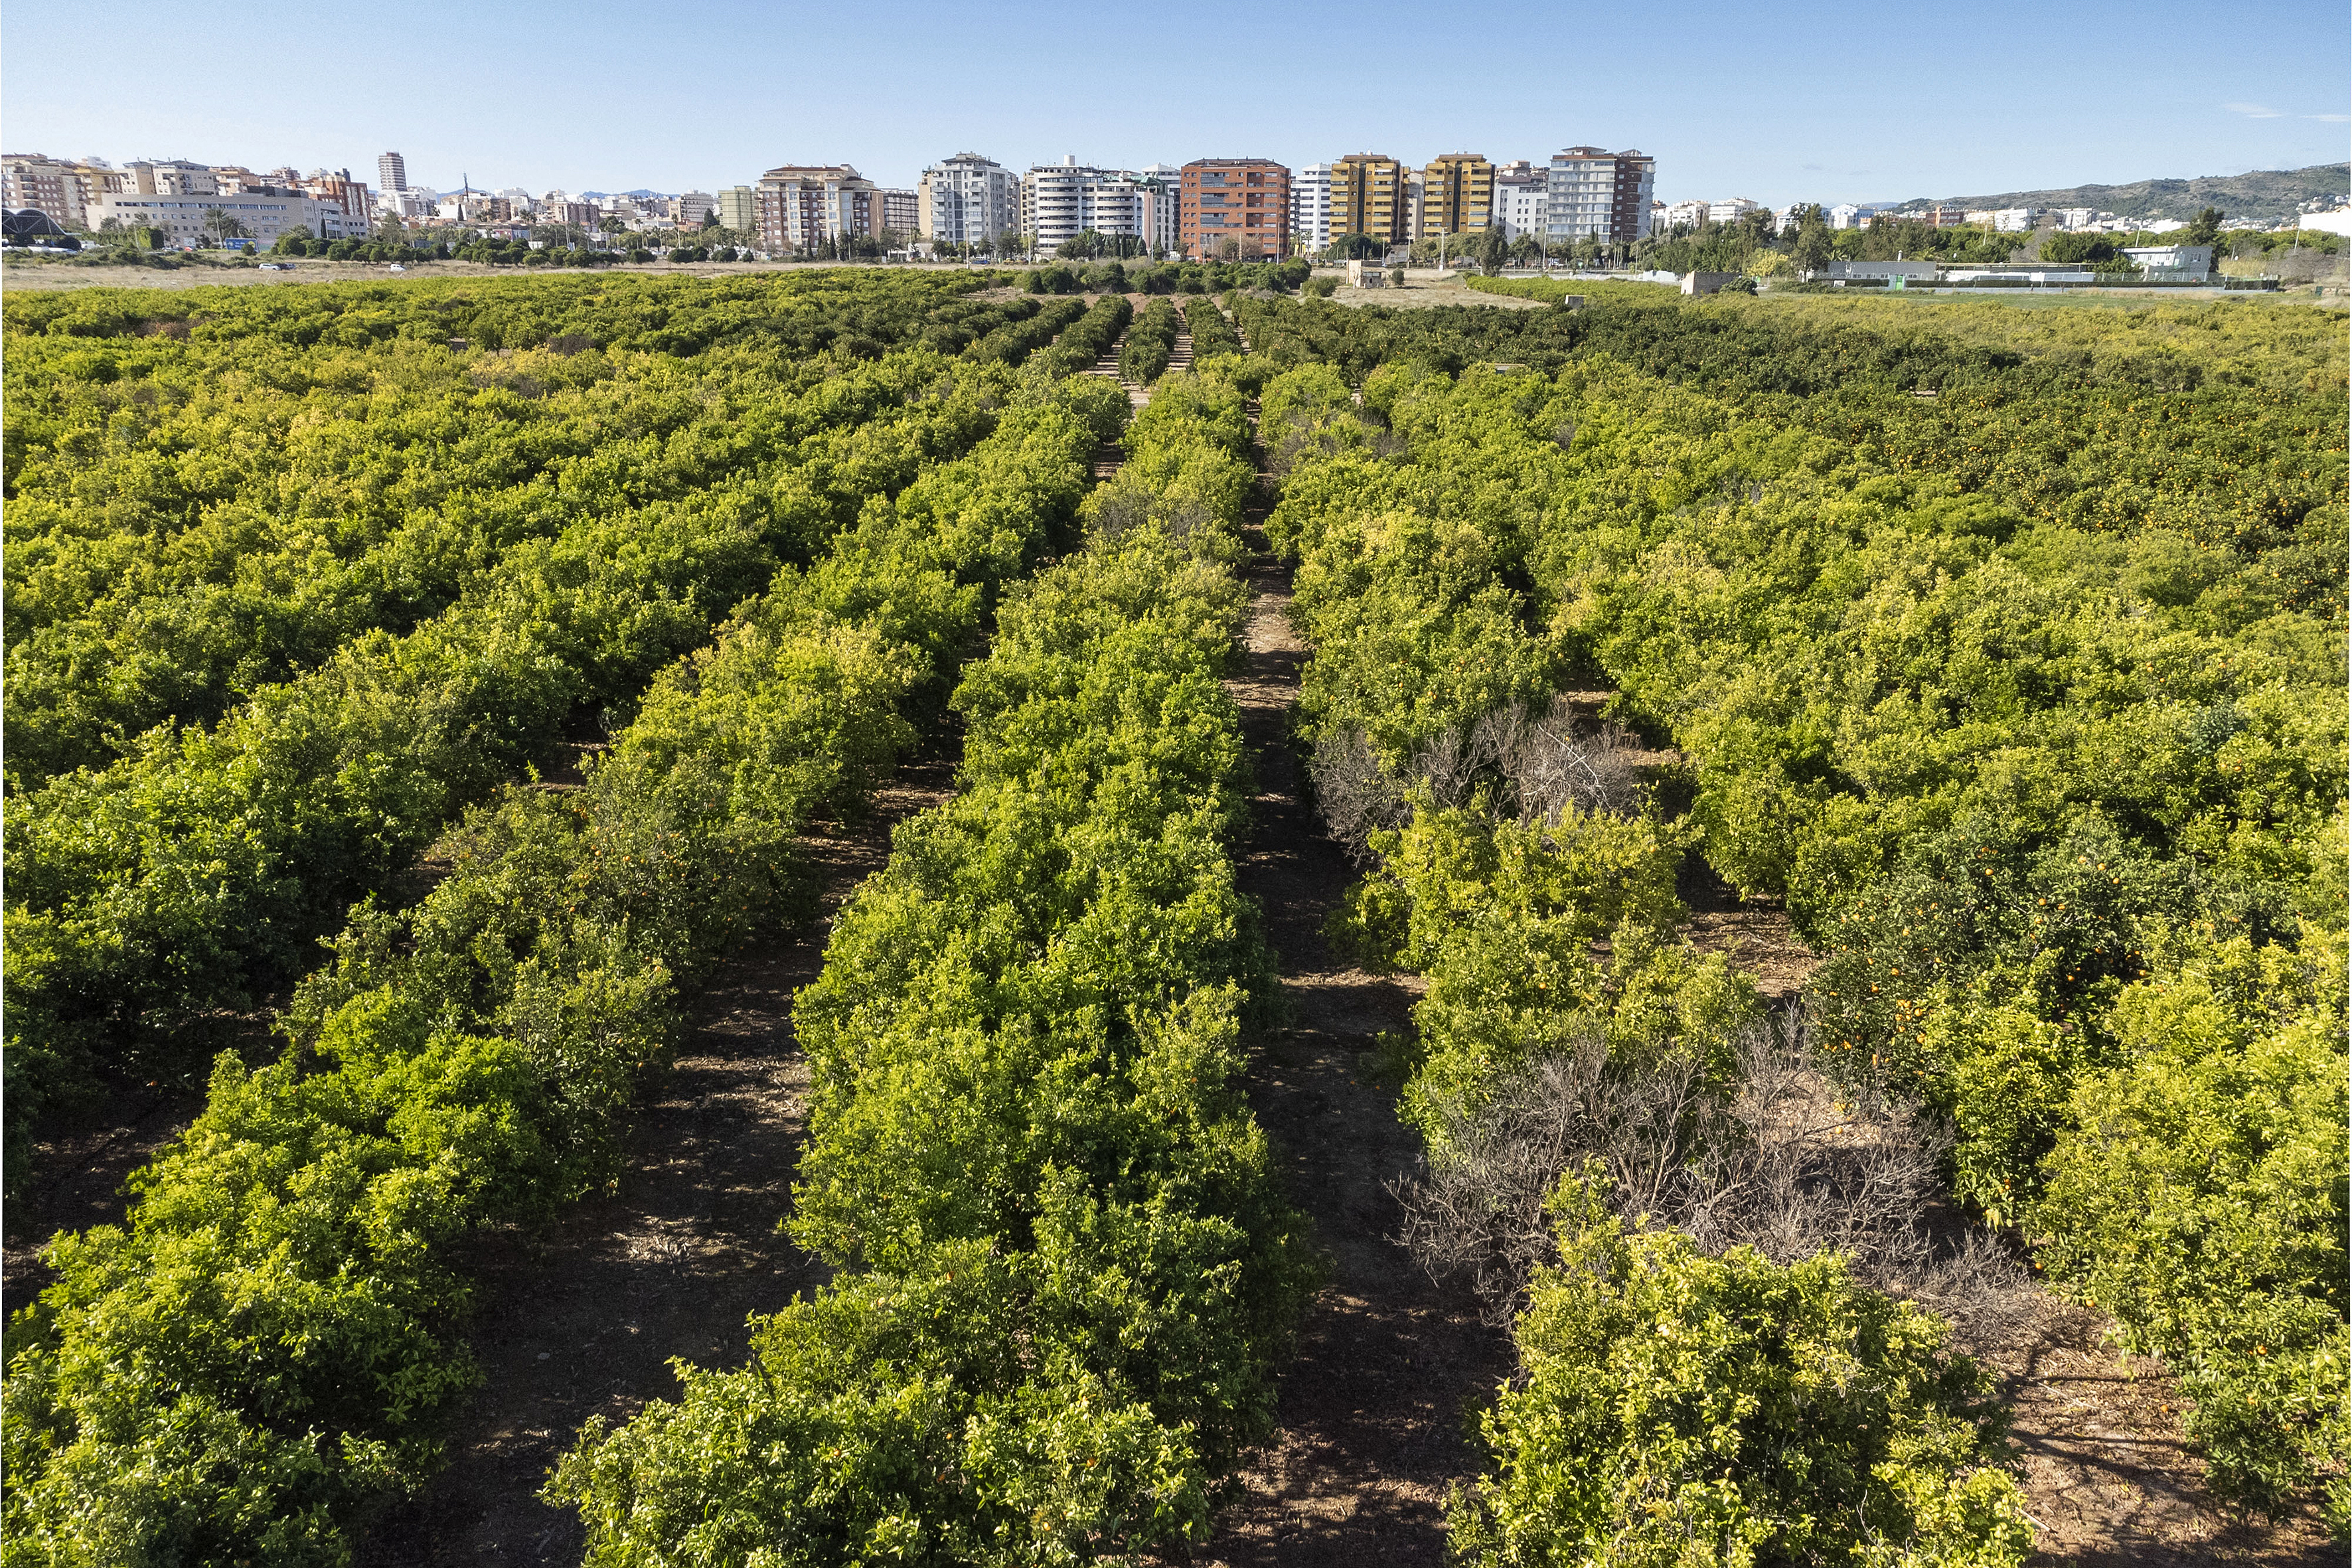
(584, 1319)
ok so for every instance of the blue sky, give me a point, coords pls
(1805, 101)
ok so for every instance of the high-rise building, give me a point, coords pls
(58, 186)
(1596, 195)
(1061, 200)
(901, 212)
(1457, 193)
(967, 200)
(1246, 200)
(390, 172)
(803, 205)
(1372, 195)
(1161, 187)
(693, 206)
(739, 209)
(1310, 204)
(1522, 198)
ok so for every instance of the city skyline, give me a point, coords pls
(2080, 94)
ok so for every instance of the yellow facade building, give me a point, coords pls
(1369, 195)
(1458, 195)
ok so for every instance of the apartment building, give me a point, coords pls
(390, 172)
(1731, 209)
(1371, 193)
(1310, 204)
(803, 205)
(738, 208)
(967, 200)
(1161, 189)
(1061, 200)
(1522, 198)
(901, 211)
(1593, 194)
(58, 187)
(691, 207)
(1686, 214)
(1246, 200)
(1457, 193)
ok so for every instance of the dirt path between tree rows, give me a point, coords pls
(583, 1320)
(1387, 1362)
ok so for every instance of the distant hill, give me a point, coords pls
(2265, 195)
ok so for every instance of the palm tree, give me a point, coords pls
(220, 226)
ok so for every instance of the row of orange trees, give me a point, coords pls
(342, 590)
(1065, 1269)
(2059, 798)
(275, 1338)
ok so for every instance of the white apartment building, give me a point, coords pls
(1522, 199)
(1845, 214)
(185, 220)
(967, 200)
(1310, 204)
(1061, 200)
(1591, 193)
(1161, 188)
(2015, 220)
(1686, 214)
(1730, 210)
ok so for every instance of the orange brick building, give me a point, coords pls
(1242, 199)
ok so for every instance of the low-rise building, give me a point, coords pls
(1845, 214)
(193, 220)
(1881, 271)
(1686, 214)
(2172, 263)
(1731, 209)
(2016, 220)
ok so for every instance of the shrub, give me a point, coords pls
(1672, 1402)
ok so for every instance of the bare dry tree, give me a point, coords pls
(1121, 510)
(1510, 763)
(1779, 1162)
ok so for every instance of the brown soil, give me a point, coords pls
(1387, 1362)
(44, 273)
(2109, 1477)
(83, 1164)
(583, 1320)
